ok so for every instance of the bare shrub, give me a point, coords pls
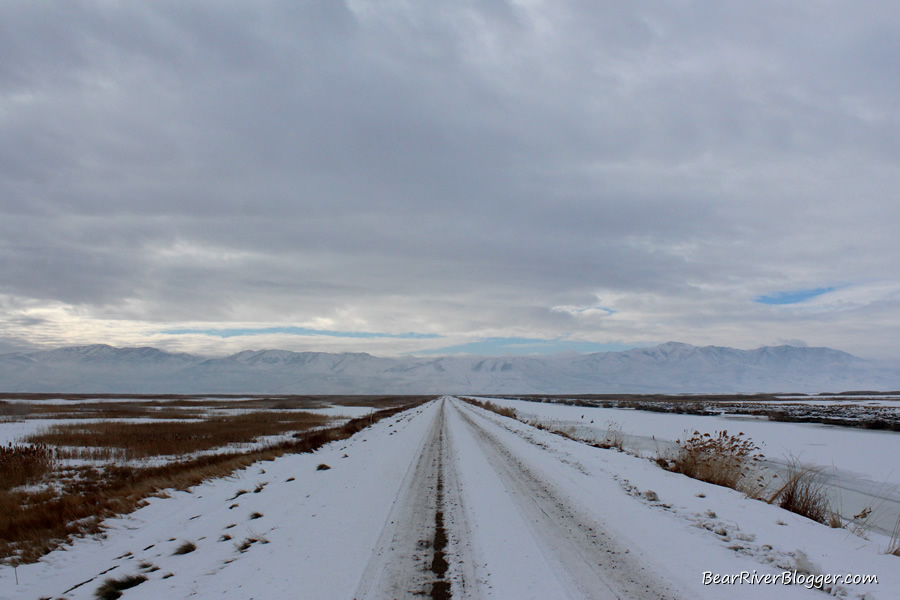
(803, 493)
(720, 458)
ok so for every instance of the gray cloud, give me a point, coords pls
(451, 168)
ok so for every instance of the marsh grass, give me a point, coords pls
(23, 464)
(729, 460)
(802, 492)
(35, 522)
(503, 411)
(141, 440)
(615, 437)
(894, 544)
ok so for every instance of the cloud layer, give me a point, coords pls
(593, 173)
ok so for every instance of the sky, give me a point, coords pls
(468, 176)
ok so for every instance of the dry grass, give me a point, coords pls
(185, 548)
(503, 411)
(614, 438)
(33, 523)
(22, 465)
(894, 545)
(860, 525)
(720, 458)
(111, 588)
(804, 494)
(142, 440)
(14, 410)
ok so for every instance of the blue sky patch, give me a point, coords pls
(792, 297)
(227, 333)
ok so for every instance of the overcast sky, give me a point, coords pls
(450, 176)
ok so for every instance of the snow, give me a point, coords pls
(669, 368)
(74, 402)
(862, 465)
(331, 533)
(336, 410)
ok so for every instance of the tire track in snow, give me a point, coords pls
(586, 560)
(406, 562)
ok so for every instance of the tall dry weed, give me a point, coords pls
(803, 492)
(719, 458)
(23, 464)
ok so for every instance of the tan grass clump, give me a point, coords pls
(185, 548)
(803, 493)
(111, 588)
(720, 458)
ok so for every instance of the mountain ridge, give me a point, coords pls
(672, 367)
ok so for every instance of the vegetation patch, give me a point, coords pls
(111, 588)
(142, 440)
(894, 545)
(34, 522)
(185, 548)
(804, 494)
(719, 458)
(22, 465)
(503, 411)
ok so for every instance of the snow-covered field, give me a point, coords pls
(861, 466)
(526, 514)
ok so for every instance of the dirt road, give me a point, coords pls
(532, 540)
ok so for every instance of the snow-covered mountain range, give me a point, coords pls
(668, 368)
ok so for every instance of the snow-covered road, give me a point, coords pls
(449, 500)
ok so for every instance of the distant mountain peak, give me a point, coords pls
(672, 367)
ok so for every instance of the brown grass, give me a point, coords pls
(111, 588)
(142, 440)
(614, 438)
(22, 465)
(32, 524)
(720, 458)
(894, 545)
(803, 493)
(503, 411)
(185, 548)
(84, 406)
(14, 410)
